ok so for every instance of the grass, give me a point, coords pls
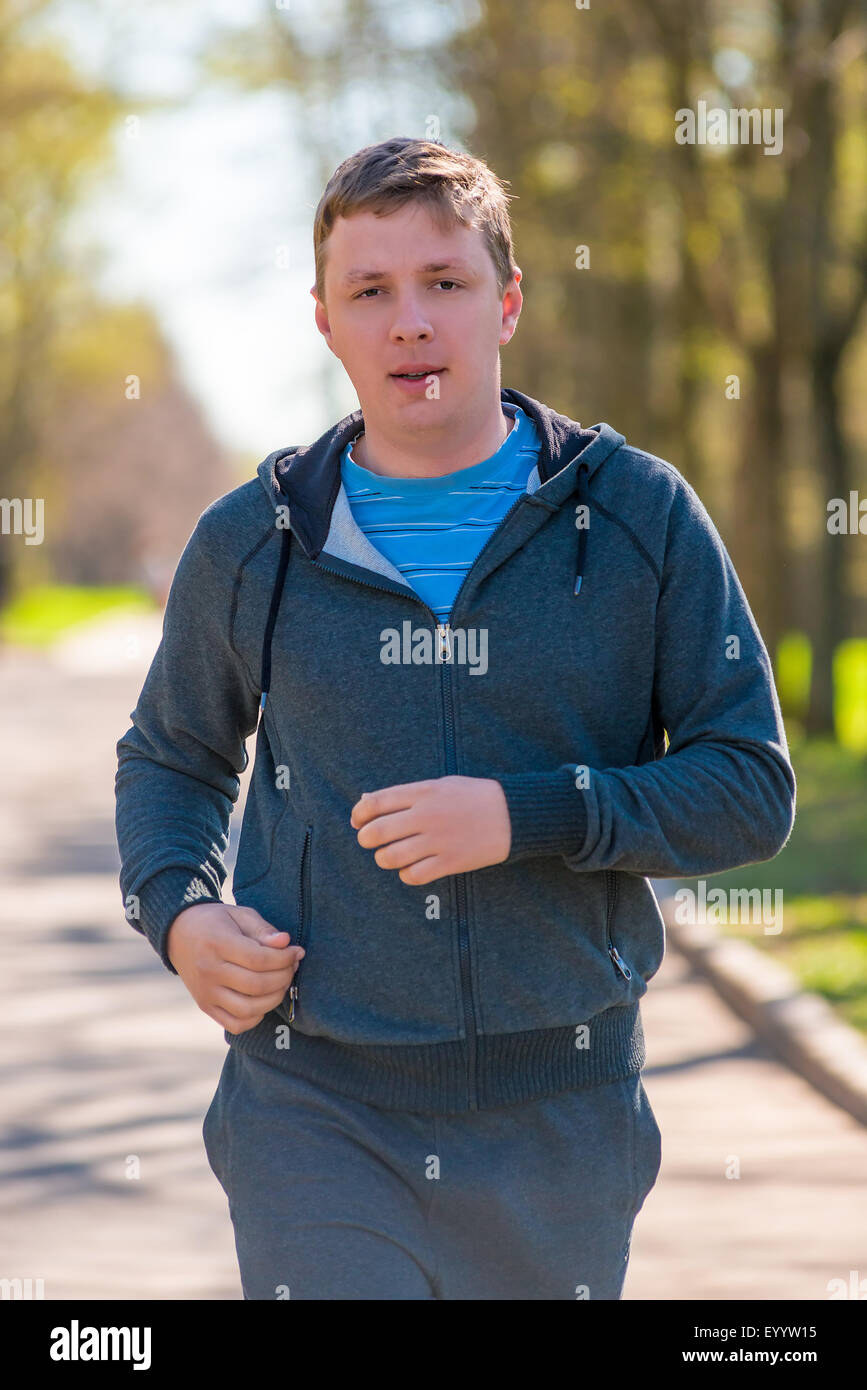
(822, 873)
(39, 616)
(824, 944)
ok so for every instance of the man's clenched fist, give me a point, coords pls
(236, 965)
(426, 830)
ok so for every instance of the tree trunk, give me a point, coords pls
(759, 547)
(830, 626)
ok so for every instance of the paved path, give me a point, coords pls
(108, 1064)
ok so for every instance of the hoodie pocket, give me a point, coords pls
(301, 936)
(610, 903)
(254, 862)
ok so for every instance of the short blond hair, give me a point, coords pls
(456, 188)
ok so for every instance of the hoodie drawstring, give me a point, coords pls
(276, 595)
(582, 530)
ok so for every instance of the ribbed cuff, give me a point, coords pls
(161, 898)
(547, 811)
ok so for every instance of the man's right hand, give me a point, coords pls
(236, 965)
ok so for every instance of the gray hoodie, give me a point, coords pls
(609, 615)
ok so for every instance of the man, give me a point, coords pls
(466, 625)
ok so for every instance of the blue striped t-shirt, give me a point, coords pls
(432, 529)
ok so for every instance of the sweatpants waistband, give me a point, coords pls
(509, 1069)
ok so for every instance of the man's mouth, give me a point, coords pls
(419, 376)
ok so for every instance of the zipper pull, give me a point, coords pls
(293, 995)
(444, 632)
(619, 962)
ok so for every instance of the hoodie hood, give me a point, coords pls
(307, 480)
(307, 477)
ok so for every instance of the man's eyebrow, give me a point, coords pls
(353, 277)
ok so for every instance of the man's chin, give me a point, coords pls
(428, 410)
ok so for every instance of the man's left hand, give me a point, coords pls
(427, 830)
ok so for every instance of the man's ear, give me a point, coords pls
(512, 302)
(320, 317)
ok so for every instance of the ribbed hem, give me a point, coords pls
(510, 1068)
(547, 811)
(162, 897)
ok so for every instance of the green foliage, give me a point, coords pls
(850, 687)
(793, 673)
(41, 615)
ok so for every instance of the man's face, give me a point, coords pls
(402, 293)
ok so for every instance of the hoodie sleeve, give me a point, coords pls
(724, 793)
(179, 763)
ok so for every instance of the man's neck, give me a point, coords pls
(391, 461)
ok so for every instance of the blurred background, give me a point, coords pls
(159, 170)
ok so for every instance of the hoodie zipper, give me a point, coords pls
(303, 914)
(444, 634)
(611, 896)
(444, 631)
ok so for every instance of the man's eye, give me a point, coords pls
(375, 289)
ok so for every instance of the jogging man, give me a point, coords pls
(503, 671)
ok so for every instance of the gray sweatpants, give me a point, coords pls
(331, 1198)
